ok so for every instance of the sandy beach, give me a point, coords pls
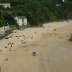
(16, 52)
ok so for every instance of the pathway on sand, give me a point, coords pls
(57, 58)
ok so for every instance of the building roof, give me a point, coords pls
(21, 17)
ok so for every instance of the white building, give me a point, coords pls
(21, 20)
(63, 0)
(5, 5)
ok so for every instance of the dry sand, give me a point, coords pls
(16, 52)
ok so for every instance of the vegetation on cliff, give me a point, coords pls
(36, 11)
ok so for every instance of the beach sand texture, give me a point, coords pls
(16, 52)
